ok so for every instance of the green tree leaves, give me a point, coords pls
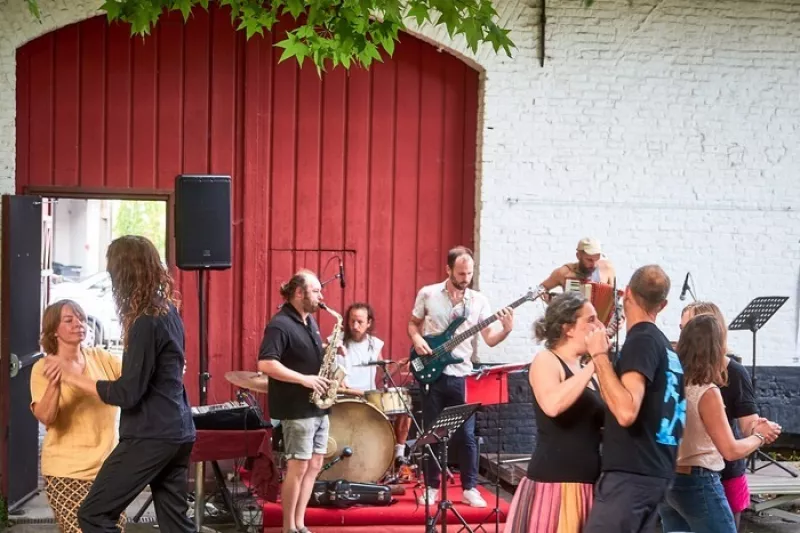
(330, 32)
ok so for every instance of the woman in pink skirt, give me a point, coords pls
(556, 494)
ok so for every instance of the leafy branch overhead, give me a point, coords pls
(342, 32)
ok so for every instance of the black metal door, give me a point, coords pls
(21, 298)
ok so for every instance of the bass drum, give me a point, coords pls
(368, 433)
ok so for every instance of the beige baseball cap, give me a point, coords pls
(590, 246)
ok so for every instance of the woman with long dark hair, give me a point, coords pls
(156, 431)
(556, 495)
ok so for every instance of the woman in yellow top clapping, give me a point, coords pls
(81, 429)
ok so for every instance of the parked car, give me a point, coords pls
(93, 293)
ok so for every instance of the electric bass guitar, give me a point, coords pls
(427, 368)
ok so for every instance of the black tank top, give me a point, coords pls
(568, 446)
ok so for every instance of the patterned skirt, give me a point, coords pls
(549, 507)
(65, 496)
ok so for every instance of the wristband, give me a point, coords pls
(760, 436)
(598, 353)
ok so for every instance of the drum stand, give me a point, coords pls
(441, 431)
(388, 380)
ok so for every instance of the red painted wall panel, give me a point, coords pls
(374, 167)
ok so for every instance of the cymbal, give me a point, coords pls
(254, 381)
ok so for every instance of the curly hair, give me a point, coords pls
(701, 350)
(562, 311)
(141, 285)
(51, 319)
(348, 333)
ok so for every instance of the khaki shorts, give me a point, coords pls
(305, 436)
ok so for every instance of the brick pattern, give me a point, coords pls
(777, 390)
(668, 129)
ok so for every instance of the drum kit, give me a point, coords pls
(361, 440)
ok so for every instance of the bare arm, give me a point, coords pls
(553, 392)
(276, 370)
(622, 396)
(747, 424)
(46, 409)
(712, 413)
(493, 337)
(415, 334)
(556, 279)
(85, 384)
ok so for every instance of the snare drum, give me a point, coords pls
(392, 401)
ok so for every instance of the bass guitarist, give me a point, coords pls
(435, 307)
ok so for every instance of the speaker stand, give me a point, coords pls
(199, 494)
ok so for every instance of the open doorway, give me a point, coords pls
(77, 232)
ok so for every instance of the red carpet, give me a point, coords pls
(403, 512)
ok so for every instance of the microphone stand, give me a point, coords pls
(335, 276)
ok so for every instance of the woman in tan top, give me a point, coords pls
(696, 501)
(81, 430)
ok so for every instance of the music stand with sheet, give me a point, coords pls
(440, 432)
(480, 388)
(752, 318)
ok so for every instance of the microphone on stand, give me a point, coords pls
(347, 451)
(685, 288)
(379, 362)
(341, 275)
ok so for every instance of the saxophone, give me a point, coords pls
(329, 369)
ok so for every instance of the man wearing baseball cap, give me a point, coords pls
(591, 266)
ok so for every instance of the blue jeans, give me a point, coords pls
(696, 502)
(448, 391)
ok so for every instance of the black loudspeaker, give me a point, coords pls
(203, 222)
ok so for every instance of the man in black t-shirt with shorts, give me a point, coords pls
(646, 412)
(291, 355)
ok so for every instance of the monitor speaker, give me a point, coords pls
(203, 229)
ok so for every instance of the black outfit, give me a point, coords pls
(568, 445)
(638, 462)
(740, 401)
(156, 430)
(297, 346)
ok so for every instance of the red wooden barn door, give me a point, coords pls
(375, 167)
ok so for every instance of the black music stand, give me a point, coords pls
(752, 318)
(440, 432)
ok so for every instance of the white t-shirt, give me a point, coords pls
(434, 305)
(358, 353)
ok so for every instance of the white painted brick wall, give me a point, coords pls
(669, 130)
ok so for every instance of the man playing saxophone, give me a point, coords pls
(292, 355)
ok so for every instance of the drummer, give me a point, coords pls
(358, 355)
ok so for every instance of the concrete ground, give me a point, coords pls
(37, 518)
(35, 515)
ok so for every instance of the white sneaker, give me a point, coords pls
(473, 498)
(432, 495)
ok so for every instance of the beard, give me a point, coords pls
(357, 337)
(309, 306)
(583, 269)
(460, 286)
